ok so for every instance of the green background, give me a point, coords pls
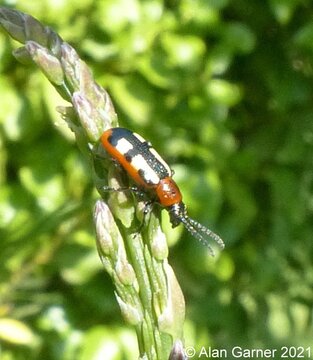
(224, 91)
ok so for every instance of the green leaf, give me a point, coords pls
(16, 332)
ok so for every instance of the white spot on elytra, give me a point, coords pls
(123, 146)
(159, 158)
(155, 154)
(149, 175)
(139, 137)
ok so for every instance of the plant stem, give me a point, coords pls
(146, 288)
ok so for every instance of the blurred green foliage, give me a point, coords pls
(223, 89)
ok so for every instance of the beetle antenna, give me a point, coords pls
(199, 231)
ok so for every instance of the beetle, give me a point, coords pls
(153, 176)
